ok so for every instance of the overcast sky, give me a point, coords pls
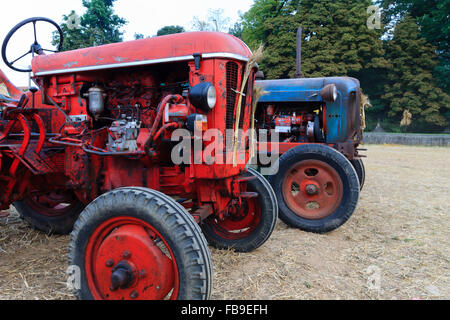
(143, 16)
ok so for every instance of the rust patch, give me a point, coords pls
(70, 64)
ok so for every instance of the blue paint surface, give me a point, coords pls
(308, 90)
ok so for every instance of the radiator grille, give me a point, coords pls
(232, 79)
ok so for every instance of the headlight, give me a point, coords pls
(330, 93)
(212, 97)
(203, 96)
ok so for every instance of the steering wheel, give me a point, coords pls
(35, 47)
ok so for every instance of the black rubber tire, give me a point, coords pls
(263, 179)
(61, 225)
(360, 170)
(348, 177)
(265, 228)
(172, 221)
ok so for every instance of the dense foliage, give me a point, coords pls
(336, 40)
(410, 84)
(401, 66)
(432, 17)
(98, 25)
(170, 30)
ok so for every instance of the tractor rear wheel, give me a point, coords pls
(317, 187)
(52, 213)
(248, 226)
(139, 244)
(360, 170)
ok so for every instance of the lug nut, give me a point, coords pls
(134, 295)
(110, 263)
(126, 255)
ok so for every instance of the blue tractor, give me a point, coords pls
(320, 123)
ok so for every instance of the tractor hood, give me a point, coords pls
(164, 49)
(304, 90)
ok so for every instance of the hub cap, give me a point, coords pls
(127, 259)
(312, 189)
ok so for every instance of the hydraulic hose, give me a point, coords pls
(173, 98)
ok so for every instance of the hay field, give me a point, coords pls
(396, 246)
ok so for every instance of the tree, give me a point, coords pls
(218, 20)
(170, 30)
(410, 80)
(200, 25)
(215, 21)
(236, 30)
(253, 30)
(97, 26)
(432, 17)
(336, 40)
(72, 31)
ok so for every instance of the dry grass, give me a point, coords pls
(401, 228)
(32, 264)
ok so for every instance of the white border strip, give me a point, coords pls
(143, 63)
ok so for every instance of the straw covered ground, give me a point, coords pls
(396, 246)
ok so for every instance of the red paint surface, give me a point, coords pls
(156, 48)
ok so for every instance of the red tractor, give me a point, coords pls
(90, 150)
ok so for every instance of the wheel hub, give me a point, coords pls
(313, 189)
(122, 276)
(240, 220)
(238, 212)
(143, 270)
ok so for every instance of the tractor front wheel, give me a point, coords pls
(139, 244)
(249, 225)
(317, 187)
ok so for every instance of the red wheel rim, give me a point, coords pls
(240, 223)
(130, 248)
(312, 189)
(52, 204)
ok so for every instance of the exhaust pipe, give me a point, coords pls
(299, 53)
